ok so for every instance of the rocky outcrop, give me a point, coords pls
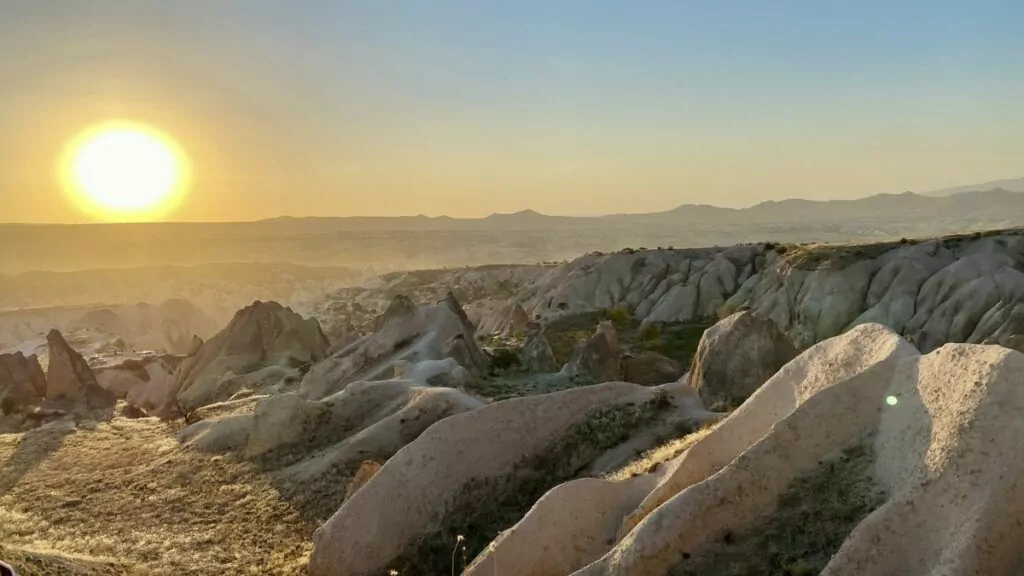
(69, 377)
(459, 471)
(483, 290)
(963, 288)
(926, 420)
(473, 358)
(654, 285)
(405, 336)
(194, 346)
(567, 528)
(463, 352)
(142, 381)
(537, 356)
(650, 368)
(22, 382)
(735, 357)
(645, 524)
(958, 288)
(507, 320)
(262, 345)
(599, 358)
(312, 448)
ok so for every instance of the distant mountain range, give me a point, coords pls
(1011, 184)
(380, 244)
(996, 203)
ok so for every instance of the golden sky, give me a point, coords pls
(341, 109)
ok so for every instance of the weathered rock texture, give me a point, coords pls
(650, 368)
(940, 426)
(964, 288)
(262, 345)
(22, 381)
(142, 381)
(69, 377)
(735, 357)
(407, 336)
(598, 358)
(537, 355)
(465, 461)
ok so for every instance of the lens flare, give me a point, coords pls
(891, 400)
(124, 171)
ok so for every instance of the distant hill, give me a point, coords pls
(381, 244)
(955, 210)
(1009, 184)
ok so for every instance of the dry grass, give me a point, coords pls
(649, 461)
(37, 562)
(812, 519)
(127, 494)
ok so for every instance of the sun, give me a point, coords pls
(124, 171)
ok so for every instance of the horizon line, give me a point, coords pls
(528, 210)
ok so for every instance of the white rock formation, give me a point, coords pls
(411, 494)
(405, 335)
(868, 349)
(262, 343)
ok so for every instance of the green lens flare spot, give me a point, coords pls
(891, 400)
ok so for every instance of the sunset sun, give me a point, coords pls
(124, 171)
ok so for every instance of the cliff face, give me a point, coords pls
(967, 288)
(957, 289)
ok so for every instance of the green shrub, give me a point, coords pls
(619, 315)
(503, 359)
(649, 333)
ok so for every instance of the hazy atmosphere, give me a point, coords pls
(517, 288)
(469, 108)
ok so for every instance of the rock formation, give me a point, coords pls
(461, 468)
(599, 357)
(144, 381)
(655, 285)
(311, 449)
(405, 335)
(735, 357)
(260, 347)
(194, 346)
(536, 355)
(643, 525)
(22, 382)
(650, 368)
(69, 377)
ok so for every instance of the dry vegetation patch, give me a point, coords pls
(127, 493)
(812, 519)
(651, 460)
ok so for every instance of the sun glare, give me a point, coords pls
(124, 171)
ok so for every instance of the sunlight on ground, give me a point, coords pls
(125, 492)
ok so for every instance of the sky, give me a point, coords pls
(465, 108)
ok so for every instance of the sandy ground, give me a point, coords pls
(126, 497)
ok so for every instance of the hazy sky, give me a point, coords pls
(471, 107)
